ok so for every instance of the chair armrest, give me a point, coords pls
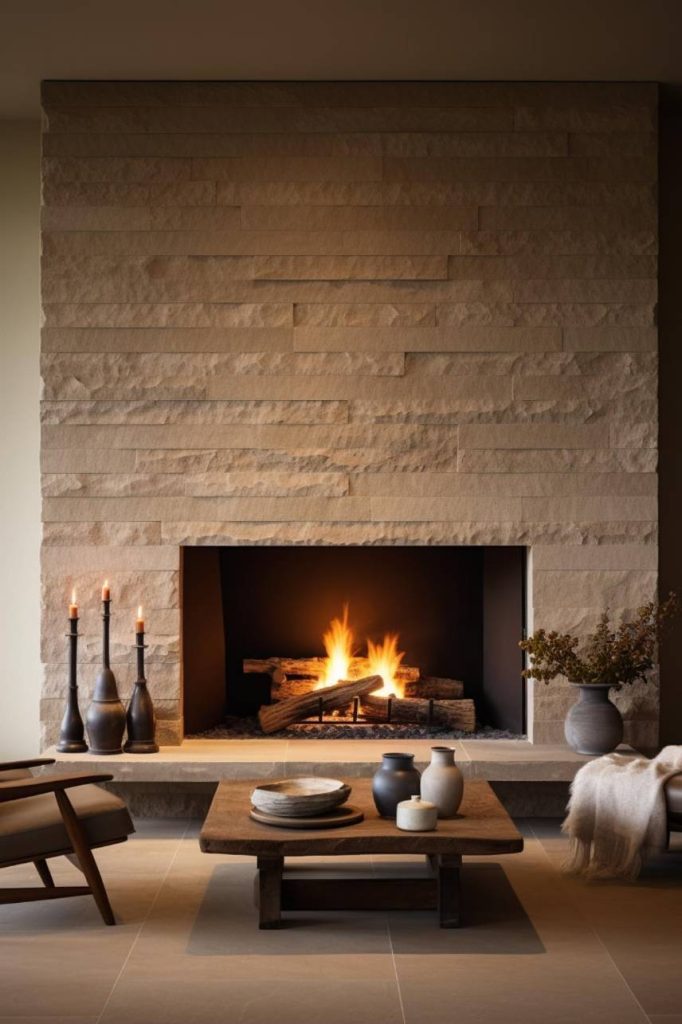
(17, 790)
(13, 766)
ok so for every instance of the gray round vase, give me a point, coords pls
(397, 779)
(442, 782)
(593, 725)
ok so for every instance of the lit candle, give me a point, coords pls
(106, 592)
(139, 622)
(73, 607)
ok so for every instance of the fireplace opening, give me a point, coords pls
(353, 641)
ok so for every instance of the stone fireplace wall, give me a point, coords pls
(384, 313)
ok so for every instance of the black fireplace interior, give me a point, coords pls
(459, 612)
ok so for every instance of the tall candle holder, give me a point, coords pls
(71, 734)
(106, 718)
(140, 719)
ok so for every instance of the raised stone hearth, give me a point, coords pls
(346, 313)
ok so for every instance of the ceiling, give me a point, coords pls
(333, 39)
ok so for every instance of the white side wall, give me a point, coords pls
(20, 669)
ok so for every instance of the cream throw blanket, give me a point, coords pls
(617, 813)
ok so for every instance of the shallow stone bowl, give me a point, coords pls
(300, 798)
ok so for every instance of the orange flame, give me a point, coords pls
(384, 660)
(338, 643)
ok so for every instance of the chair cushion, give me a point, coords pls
(673, 795)
(33, 827)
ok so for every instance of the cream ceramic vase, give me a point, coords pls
(442, 783)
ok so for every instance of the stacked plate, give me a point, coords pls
(301, 803)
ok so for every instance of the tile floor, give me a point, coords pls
(539, 948)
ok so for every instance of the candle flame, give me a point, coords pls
(73, 596)
(106, 584)
(139, 611)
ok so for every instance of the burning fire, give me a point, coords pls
(338, 643)
(382, 659)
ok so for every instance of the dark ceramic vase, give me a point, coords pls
(397, 779)
(593, 725)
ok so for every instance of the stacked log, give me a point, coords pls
(455, 714)
(434, 688)
(314, 668)
(274, 717)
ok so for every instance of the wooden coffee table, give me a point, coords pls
(482, 828)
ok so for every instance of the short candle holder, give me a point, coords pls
(140, 719)
(71, 734)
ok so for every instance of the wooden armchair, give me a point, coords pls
(41, 818)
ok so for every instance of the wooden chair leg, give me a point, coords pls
(45, 873)
(79, 841)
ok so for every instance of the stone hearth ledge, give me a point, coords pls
(201, 761)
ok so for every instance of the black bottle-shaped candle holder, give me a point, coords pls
(140, 719)
(71, 734)
(105, 720)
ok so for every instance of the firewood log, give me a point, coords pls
(273, 717)
(456, 714)
(313, 668)
(435, 687)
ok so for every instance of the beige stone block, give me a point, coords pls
(627, 434)
(219, 509)
(250, 437)
(129, 588)
(483, 409)
(574, 168)
(73, 558)
(566, 266)
(97, 193)
(269, 246)
(95, 218)
(588, 508)
(476, 144)
(218, 412)
(427, 339)
(568, 218)
(613, 144)
(421, 194)
(557, 314)
(364, 314)
(555, 243)
(195, 218)
(163, 682)
(289, 169)
(288, 268)
(215, 143)
(607, 117)
(503, 485)
(437, 457)
(167, 339)
(534, 435)
(558, 460)
(229, 484)
(142, 170)
(410, 388)
(583, 290)
(593, 588)
(349, 217)
(402, 532)
(611, 338)
(110, 534)
(467, 509)
(598, 387)
(606, 557)
(168, 315)
(86, 460)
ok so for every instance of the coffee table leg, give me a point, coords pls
(270, 891)
(449, 890)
